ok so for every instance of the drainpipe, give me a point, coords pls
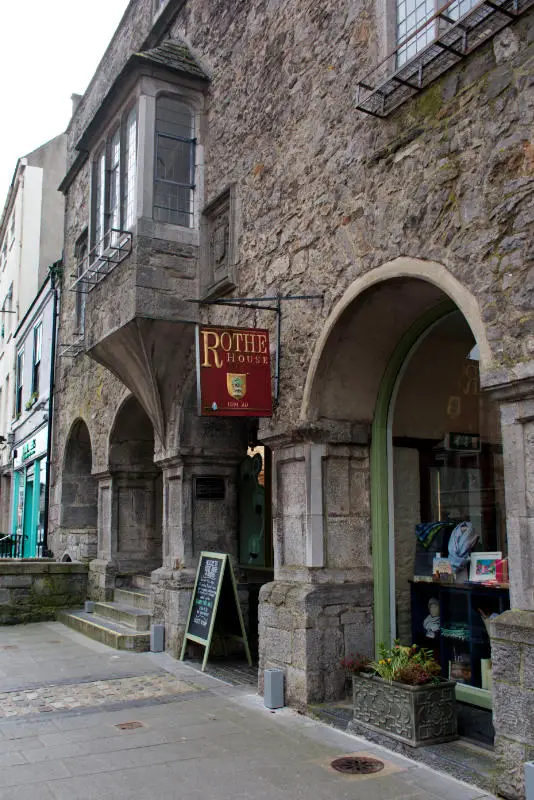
(54, 271)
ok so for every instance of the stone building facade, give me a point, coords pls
(396, 226)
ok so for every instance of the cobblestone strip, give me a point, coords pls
(88, 695)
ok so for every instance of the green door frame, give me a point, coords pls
(380, 518)
(380, 469)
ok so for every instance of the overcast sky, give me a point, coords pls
(50, 50)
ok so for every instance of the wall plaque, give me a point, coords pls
(209, 488)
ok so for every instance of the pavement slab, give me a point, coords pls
(160, 728)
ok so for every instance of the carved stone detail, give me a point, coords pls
(219, 250)
(415, 715)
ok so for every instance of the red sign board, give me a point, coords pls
(233, 372)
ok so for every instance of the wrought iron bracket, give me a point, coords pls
(254, 303)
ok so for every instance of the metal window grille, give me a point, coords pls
(102, 259)
(458, 28)
(174, 174)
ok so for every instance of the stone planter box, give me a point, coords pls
(415, 715)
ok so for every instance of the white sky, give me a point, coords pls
(49, 50)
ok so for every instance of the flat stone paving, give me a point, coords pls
(157, 728)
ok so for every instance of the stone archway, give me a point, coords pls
(135, 533)
(324, 503)
(79, 508)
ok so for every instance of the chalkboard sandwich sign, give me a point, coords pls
(214, 605)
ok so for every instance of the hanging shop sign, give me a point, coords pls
(214, 606)
(233, 372)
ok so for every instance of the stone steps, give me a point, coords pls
(122, 623)
(134, 598)
(135, 618)
(105, 631)
(141, 582)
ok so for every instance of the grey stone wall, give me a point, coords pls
(32, 590)
(326, 195)
(512, 653)
(307, 630)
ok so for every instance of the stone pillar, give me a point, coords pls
(103, 569)
(191, 524)
(512, 634)
(319, 607)
(137, 522)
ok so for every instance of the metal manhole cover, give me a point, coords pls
(357, 765)
(128, 726)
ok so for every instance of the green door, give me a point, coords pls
(29, 531)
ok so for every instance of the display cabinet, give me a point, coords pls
(461, 642)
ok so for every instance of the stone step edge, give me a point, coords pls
(127, 639)
(119, 613)
(139, 600)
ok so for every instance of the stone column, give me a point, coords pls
(103, 569)
(191, 524)
(319, 607)
(512, 633)
(136, 534)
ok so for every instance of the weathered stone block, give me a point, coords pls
(16, 581)
(511, 712)
(506, 662)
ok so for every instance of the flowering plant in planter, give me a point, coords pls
(413, 665)
(402, 694)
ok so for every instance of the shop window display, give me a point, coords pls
(448, 510)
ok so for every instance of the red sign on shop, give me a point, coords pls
(233, 372)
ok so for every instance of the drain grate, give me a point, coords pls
(357, 765)
(129, 726)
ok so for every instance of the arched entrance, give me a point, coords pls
(398, 373)
(137, 492)
(79, 495)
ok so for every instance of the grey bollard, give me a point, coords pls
(89, 607)
(273, 688)
(157, 638)
(529, 780)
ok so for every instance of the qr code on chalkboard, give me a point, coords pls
(210, 570)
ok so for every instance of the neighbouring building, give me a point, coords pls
(309, 149)
(34, 346)
(31, 239)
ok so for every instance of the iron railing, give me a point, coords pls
(387, 86)
(102, 259)
(11, 546)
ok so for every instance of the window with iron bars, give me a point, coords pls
(411, 17)
(174, 169)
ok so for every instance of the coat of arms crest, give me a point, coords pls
(236, 385)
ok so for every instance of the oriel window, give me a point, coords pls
(114, 184)
(174, 178)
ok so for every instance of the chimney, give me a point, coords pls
(75, 99)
